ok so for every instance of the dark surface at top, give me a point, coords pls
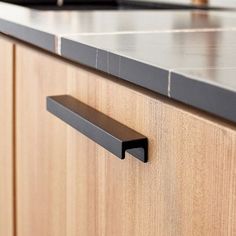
(119, 4)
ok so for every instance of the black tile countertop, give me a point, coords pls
(186, 55)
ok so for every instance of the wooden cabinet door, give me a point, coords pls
(68, 185)
(41, 146)
(6, 137)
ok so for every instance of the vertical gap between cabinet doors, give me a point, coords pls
(14, 161)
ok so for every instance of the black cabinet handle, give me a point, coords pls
(110, 134)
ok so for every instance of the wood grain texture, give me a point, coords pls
(6, 138)
(41, 147)
(70, 186)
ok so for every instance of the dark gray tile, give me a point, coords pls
(131, 70)
(145, 75)
(113, 63)
(79, 52)
(72, 22)
(222, 77)
(102, 60)
(142, 47)
(16, 21)
(211, 97)
(38, 38)
(39, 27)
(146, 59)
(168, 50)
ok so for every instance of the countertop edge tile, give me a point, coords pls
(78, 52)
(136, 72)
(213, 99)
(33, 36)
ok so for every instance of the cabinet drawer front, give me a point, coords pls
(68, 185)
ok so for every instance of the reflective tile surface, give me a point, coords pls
(187, 55)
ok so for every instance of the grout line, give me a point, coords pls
(57, 45)
(178, 69)
(151, 32)
(96, 64)
(119, 67)
(169, 82)
(108, 63)
(60, 36)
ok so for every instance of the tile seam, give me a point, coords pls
(108, 63)
(151, 32)
(169, 83)
(177, 69)
(119, 66)
(58, 45)
(96, 63)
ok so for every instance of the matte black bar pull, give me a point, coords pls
(110, 134)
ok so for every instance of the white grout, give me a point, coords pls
(58, 45)
(96, 64)
(151, 32)
(119, 67)
(169, 82)
(202, 68)
(108, 63)
(58, 37)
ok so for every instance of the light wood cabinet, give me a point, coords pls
(67, 185)
(54, 181)
(6, 137)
